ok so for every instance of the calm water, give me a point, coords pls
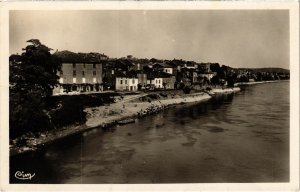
(234, 138)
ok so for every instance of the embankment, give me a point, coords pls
(129, 106)
(146, 104)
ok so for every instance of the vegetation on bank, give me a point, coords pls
(32, 77)
(33, 109)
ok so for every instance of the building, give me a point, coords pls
(142, 79)
(169, 82)
(161, 80)
(208, 76)
(80, 72)
(204, 67)
(126, 82)
(164, 67)
(191, 65)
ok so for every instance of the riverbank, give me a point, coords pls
(128, 107)
(258, 82)
(144, 105)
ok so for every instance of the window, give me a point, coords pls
(121, 81)
(94, 66)
(84, 65)
(82, 73)
(74, 65)
(74, 79)
(83, 80)
(125, 81)
(94, 73)
(74, 73)
(133, 81)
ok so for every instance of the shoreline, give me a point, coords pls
(259, 82)
(107, 116)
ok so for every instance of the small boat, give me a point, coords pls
(126, 121)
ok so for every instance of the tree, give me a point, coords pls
(186, 89)
(215, 80)
(32, 79)
(231, 79)
(215, 67)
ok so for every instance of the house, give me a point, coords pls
(191, 65)
(204, 67)
(164, 67)
(157, 82)
(169, 82)
(80, 72)
(126, 81)
(161, 80)
(207, 75)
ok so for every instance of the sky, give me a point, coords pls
(237, 38)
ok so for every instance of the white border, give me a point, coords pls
(293, 7)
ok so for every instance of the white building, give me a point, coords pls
(168, 70)
(126, 84)
(207, 75)
(157, 82)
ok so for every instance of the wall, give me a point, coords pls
(170, 82)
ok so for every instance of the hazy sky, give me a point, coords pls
(245, 38)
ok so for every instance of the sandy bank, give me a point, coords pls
(100, 116)
(258, 82)
(127, 107)
(224, 91)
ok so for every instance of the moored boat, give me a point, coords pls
(126, 121)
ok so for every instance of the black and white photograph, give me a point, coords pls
(151, 96)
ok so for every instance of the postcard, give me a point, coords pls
(149, 96)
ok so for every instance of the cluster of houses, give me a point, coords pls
(95, 72)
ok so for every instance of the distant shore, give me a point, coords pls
(129, 107)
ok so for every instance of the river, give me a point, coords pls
(241, 137)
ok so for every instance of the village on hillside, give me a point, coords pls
(94, 72)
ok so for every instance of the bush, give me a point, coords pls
(68, 110)
(186, 90)
(29, 116)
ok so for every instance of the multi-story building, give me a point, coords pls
(126, 82)
(79, 73)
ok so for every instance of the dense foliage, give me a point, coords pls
(32, 78)
(66, 110)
